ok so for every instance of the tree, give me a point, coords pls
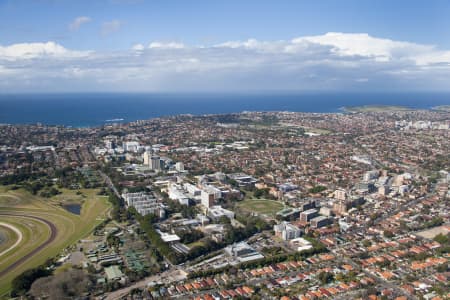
(113, 241)
(317, 189)
(325, 277)
(258, 193)
(69, 284)
(442, 239)
(224, 220)
(22, 283)
(366, 243)
(388, 234)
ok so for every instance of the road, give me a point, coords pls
(16, 231)
(110, 184)
(169, 276)
(51, 238)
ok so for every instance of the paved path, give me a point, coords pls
(19, 239)
(50, 239)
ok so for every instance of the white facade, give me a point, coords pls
(177, 193)
(144, 203)
(287, 231)
(300, 244)
(216, 212)
(340, 194)
(192, 190)
(131, 146)
(147, 158)
(207, 199)
(212, 190)
(370, 175)
(179, 166)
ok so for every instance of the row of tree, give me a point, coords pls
(317, 248)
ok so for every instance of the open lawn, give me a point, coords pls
(433, 232)
(442, 108)
(194, 244)
(33, 232)
(376, 108)
(261, 206)
(307, 129)
(70, 227)
(7, 238)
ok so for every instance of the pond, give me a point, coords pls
(74, 208)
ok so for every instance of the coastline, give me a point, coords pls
(90, 110)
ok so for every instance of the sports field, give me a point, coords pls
(261, 206)
(46, 227)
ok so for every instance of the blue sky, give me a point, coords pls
(151, 45)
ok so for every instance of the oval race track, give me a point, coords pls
(51, 238)
(16, 231)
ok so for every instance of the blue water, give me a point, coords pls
(73, 208)
(81, 110)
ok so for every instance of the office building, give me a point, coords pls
(179, 166)
(320, 221)
(287, 231)
(155, 163)
(307, 215)
(147, 158)
(144, 203)
(207, 199)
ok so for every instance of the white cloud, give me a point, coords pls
(36, 50)
(433, 57)
(110, 27)
(138, 47)
(325, 62)
(5, 71)
(169, 45)
(77, 22)
(362, 44)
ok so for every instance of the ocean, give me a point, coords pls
(94, 109)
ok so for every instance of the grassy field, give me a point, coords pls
(307, 129)
(70, 227)
(261, 206)
(376, 108)
(317, 130)
(7, 238)
(442, 108)
(34, 233)
(194, 244)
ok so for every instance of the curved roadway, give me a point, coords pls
(50, 239)
(16, 231)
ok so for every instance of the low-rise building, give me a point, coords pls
(243, 252)
(216, 212)
(113, 273)
(300, 244)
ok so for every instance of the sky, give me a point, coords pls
(229, 45)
